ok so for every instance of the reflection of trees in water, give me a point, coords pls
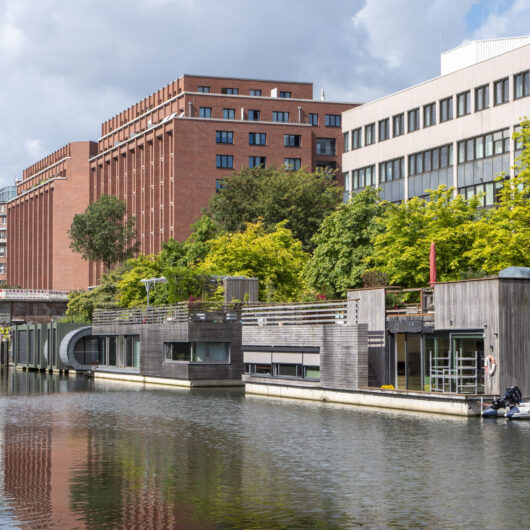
(27, 473)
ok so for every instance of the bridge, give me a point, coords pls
(31, 305)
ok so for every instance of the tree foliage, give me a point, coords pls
(276, 258)
(401, 249)
(343, 243)
(101, 234)
(274, 195)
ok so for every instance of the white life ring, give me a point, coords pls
(490, 365)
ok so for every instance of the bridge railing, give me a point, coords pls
(33, 294)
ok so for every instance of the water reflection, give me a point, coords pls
(82, 453)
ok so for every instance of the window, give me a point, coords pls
(496, 143)
(413, 120)
(224, 137)
(521, 85)
(205, 112)
(463, 103)
(292, 163)
(204, 89)
(369, 134)
(3, 235)
(256, 161)
(257, 138)
(254, 115)
(255, 92)
(197, 352)
(346, 141)
(229, 114)
(384, 133)
(285, 94)
(325, 146)
(280, 116)
(398, 124)
(430, 160)
(224, 161)
(3, 219)
(2, 251)
(501, 90)
(357, 138)
(291, 140)
(391, 170)
(446, 109)
(332, 120)
(313, 119)
(482, 97)
(229, 90)
(363, 177)
(429, 115)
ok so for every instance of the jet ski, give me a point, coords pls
(519, 412)
(503, 406)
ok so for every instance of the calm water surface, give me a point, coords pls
(79, 453)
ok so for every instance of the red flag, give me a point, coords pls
(432, 264)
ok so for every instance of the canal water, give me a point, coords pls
(78, 453)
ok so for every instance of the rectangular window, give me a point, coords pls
(234, 91)
(255, 92)
(291, 140)
(413, 117)
(346, 141)
(224, 137)
(285, 94)
(357, 138)
(384, 133)
(313, 119)
(488, 141)
(332, 120)
(3, 235)
(257, 138)
(470, 150)
(463, 103)
(292, 164)
(229, 114)
(482, 97)
(256, 161)
(369, 134)
(278, 116)
(2, 268)
(435, 159)
(288, 370)
(446, 109)
(197, 352)
(429, 115)
(398, 124)
(325, 146)
(205, 112)
(254, 115)
(501, 88)
(2, 251)
(224, 161)
(479, 147)
(204, 89)
(521, 85)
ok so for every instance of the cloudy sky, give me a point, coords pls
(67, 65)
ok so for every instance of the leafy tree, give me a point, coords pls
(131, 291)
(276, 258)
(343, 243)
(274, 195)
(502, 237)
(401, 250)
(100, 234)
(81, 304)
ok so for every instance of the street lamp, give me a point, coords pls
(151, 281)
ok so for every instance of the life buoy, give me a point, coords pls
(490, 365)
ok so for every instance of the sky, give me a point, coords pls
(66, 66)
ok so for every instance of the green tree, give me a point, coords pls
(276, 258)
(402, 248)
(100, 234)
(343, 243)
(131, 291)
(502, 236)
(274, 195)
(81, 304)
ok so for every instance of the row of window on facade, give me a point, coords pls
(227, 162)
(501, 92)
(291, 371)
(330, 120)
(235, 91)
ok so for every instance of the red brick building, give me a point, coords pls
(50, 193)
(165, 157)
(6, 194)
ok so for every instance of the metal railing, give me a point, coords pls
(182, 312)
(455, 373)
(300, 314)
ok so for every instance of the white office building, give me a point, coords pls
(455, 129)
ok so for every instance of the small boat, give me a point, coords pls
(510, 405)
